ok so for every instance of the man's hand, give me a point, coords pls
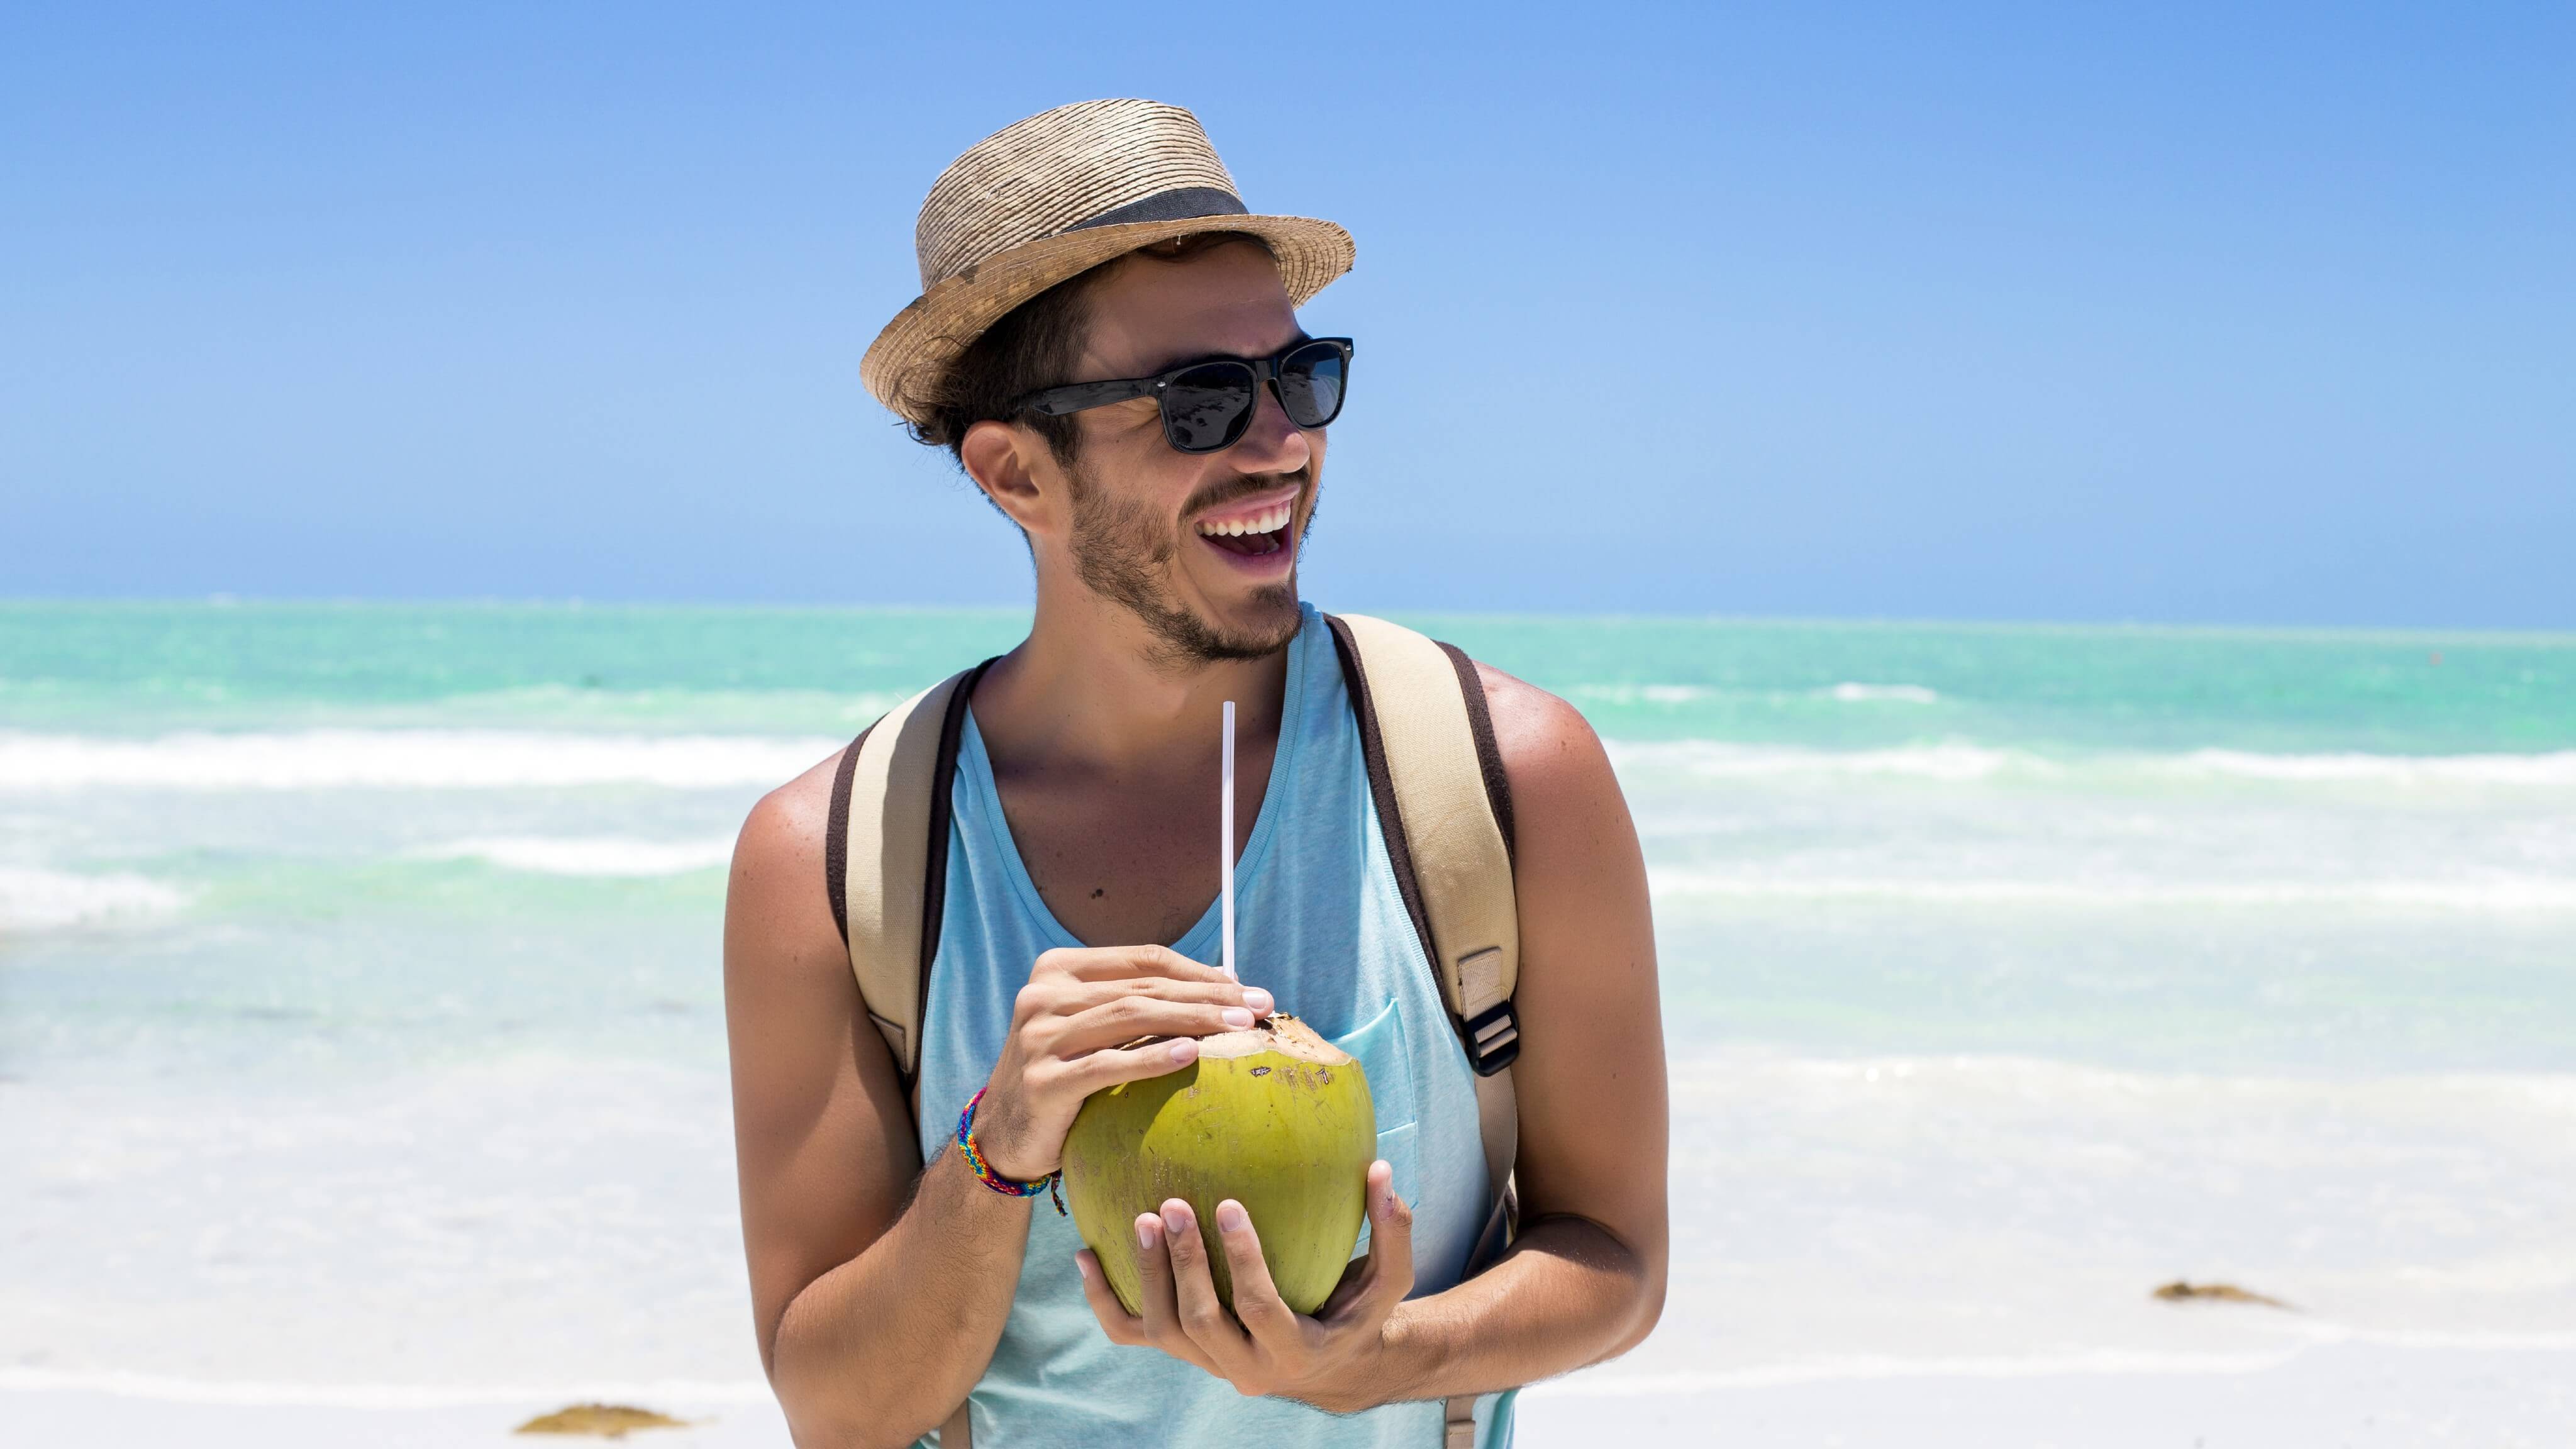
(1073, 1031)
(1265, 1347)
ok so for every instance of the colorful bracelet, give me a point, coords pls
(983, 1170)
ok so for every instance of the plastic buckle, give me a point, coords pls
(1493, 1038)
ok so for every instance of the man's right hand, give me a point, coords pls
(1069, 1034)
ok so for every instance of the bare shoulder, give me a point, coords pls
(780, 938)
(1550, 754)
(788, 823)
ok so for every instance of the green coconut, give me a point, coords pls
(1275, 1117)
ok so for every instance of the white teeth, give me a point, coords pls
(1270, 521)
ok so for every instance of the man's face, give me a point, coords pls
(1172, 535)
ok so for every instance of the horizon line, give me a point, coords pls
(570, 602)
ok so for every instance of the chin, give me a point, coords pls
(1259, 627)
(1273, 614)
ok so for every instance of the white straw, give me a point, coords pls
(1225, 848)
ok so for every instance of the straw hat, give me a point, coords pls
(1054, 196)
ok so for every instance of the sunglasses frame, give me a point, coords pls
(1074, 397)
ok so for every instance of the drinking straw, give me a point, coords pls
(1225, 847)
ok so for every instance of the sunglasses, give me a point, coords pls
(1208, 405)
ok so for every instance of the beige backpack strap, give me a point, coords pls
(1433, 764)
(887, 882)
(1430, 753)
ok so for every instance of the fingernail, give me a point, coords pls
(1146, 1226)
(1237, 1017)
(1176, 1218)
(1229, 1216)
(1082, 1265)
(1258, 1000)
(1185, 1050)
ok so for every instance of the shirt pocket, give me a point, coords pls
(1385, 1056)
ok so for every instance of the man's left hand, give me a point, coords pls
(1333, 1360)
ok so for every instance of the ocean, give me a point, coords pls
(361, 1034)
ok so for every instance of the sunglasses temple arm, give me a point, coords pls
(1055, 402)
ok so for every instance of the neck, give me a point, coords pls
(1093, 685)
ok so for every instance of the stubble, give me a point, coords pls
(1124, 552)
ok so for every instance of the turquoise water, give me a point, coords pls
(135, 668)
(384, 938)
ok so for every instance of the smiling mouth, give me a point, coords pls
(1265, 532)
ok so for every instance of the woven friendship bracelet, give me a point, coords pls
(984, 1173)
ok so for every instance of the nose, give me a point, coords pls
(1270, 442)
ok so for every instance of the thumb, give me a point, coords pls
(1390, 1269)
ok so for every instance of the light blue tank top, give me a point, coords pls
(1323, 927)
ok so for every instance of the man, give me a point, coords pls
(896, 1277)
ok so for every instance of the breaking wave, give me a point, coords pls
(1850, 693)
(50, 900)
(591, 855)
(2547, 769)
(401, 759)
(1753, 762)
(1961, 761)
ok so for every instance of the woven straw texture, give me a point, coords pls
(1004, 223)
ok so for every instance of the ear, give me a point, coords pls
(1016, 469)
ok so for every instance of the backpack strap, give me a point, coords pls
(1445, 808)
(885, 864)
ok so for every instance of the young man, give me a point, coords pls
(897, 1288)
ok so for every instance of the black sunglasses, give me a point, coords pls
(1207, 405)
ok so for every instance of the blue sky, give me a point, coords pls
(2201, 313)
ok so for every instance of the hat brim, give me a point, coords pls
(905, 361)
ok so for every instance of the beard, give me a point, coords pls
(1124, 552)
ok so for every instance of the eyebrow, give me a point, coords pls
(1302, 338)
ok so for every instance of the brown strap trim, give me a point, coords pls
(836, 838)
(1489, 755)
(934, 872)
(1390, 819)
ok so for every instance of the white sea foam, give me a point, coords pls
(1848, 692)
(594, 855)
(51, 900)
(1852, 693)
(2546, 769)
(400, 759)
(1641, 693)
(1953, 762)
(2512, 893)
(1963, 762)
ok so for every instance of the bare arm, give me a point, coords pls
(824, 1145)
(879, 1288)
(1585, 1279)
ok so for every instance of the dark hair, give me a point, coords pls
(1035, 345)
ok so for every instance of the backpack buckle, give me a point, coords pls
(1493, 1038)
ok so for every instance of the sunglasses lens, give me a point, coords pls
(1310, 384)
(1206, 408)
